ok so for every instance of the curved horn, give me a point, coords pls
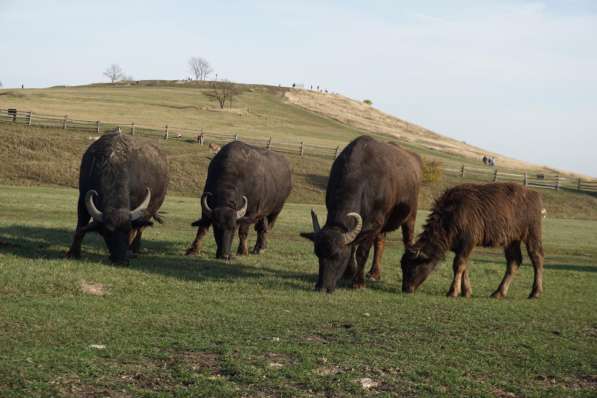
(351, 235)
(140, 210)
(204, 204)
(315, 221)
(241, 213)
(91, 209)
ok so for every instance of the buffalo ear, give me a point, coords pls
(309, 235)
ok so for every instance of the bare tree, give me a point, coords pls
(114, 73)
(200, 68)
(222, 91)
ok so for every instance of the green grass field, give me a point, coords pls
(170, 325)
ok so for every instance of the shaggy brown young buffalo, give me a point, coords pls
(469, 215)
(373, 189)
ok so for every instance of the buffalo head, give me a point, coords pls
(333, 247)
(225, 222)
(117, 226)
(416, 267)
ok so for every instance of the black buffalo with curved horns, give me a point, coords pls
(122, 184)
(245, 185)
(373, 189)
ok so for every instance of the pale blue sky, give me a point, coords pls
(515, 77)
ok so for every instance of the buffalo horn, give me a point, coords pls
(140, 210)
(91, 209)
(206, 207)
(351, 235)
(241, 213)
(316, 227)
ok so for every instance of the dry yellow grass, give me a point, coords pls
(367, 118)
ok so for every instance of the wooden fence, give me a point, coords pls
(531, 179)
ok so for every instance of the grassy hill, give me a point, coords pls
(257, 111)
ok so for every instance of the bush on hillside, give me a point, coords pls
(432, 171)
(368, 102)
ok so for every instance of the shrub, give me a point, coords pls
(432, 171)
(368, 102)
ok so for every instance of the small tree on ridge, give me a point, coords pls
(200, 68)
(114, 73)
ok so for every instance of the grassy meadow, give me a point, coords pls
(170, 325)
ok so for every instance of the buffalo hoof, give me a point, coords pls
(497, 295)
(358, 285)
(534, 295)
(452, 294)
(191, 252)
(72, 254)
(258, 250)
(375, 277)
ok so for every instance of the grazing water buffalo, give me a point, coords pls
(245, 185)
(119, 173)
(469, 215)
(373, 188)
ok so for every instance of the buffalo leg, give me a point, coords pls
(80, 231)
(513, 259)
(261, 227)
(361, 256)
(135, 245)
(408, 230)
(375, 273)
(243, 245)
(535, 251)
(459, 267)
(196, 245)
(467, 290)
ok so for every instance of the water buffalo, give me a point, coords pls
(245, 185)
(469, 215)
(122, 184)
(373, 189)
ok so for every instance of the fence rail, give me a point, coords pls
(531, 179)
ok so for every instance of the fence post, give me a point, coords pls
(495, 174)
(64, 123)
(302, 148)
(201, 137)
(578, 185)
(166, 133)
(558, 182)
(235, 137)
(269, 143)
(97, 126)
(462, 172)
(337, 151)
(29, 117)
(133, 128)
(526, 179)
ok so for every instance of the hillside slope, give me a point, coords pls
(287, 115)
(372, 120)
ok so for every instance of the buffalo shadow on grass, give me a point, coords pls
(526, 262)
(159, 257)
